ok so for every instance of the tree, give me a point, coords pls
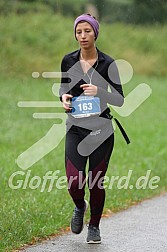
(150, 11)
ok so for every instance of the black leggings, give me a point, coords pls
(76, 174)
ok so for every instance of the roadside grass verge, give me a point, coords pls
(37, 42)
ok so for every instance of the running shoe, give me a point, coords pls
(93, 235)
(77, 221)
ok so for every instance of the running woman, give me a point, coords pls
(86, 76)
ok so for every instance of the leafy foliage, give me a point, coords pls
(150, 11)
(128, 11)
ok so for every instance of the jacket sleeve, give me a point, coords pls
(64, 86)
(116, 96)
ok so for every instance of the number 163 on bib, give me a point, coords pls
(85, 106)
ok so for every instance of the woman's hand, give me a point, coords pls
(89, 89)
(66, 101)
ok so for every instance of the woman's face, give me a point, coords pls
(85, 35)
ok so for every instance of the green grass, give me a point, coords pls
(38, 45)
(30, 213)
(37, 42)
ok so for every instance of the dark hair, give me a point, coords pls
(90, 15)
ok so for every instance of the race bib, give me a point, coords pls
(85, 106)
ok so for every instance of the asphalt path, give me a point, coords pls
(141, 228)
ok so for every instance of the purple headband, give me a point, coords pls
(92, 21)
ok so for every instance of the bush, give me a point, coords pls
(137, 12)
(65, 7)
(149, 11)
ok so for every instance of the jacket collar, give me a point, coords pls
(76, 54)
